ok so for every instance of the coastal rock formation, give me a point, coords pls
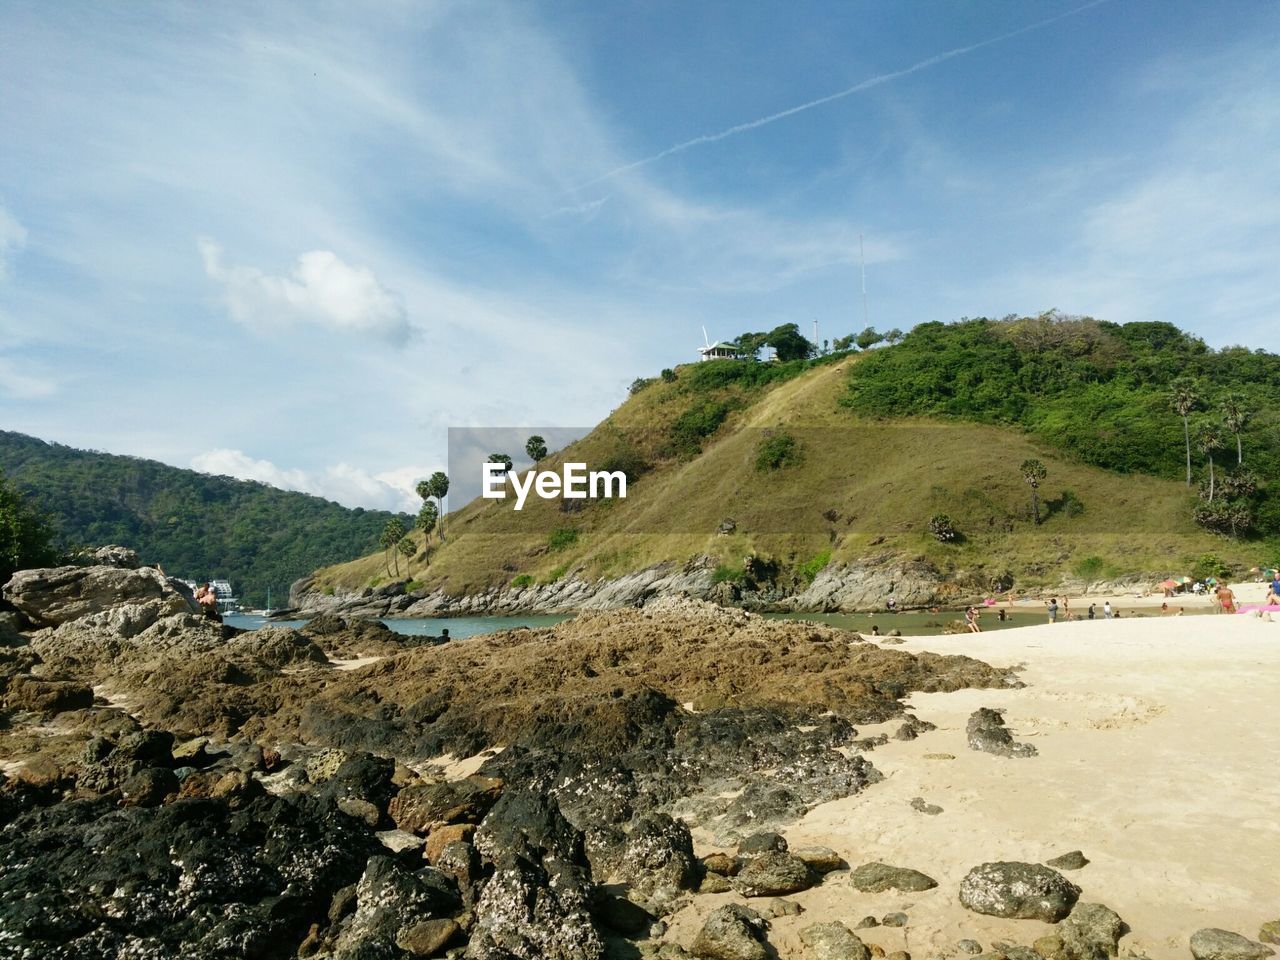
(1091, 932)
(833, 941)
(1214, 944)
(732, 932)
(987, 733)
(1021, 891)
(879, 877)
(55, 595)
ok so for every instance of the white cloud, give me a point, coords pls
(21, 384)
(343, 483)
(13, 237)
(322, 290)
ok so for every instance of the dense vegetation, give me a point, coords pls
(195, 525)
(1107, 393)
(26, 537)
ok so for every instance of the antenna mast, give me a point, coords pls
(862, 259)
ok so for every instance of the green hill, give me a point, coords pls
(194, 525)
(852, 455)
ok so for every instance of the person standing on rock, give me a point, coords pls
(208, 600)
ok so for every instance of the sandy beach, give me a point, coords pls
(1158, 753)
(1143, 601)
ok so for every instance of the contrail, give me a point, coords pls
(857, 88)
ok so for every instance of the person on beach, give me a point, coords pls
(1106, 610)
(1092, 611)
(1117, 615)
(1053, 609)
(971, 620)
(1003, 615)
(1226, 598)
(1273, 594)
(208, 601)
(1066, 608)
(1164, 609)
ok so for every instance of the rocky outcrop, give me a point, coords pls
(732, 932)
(52, 596)
(1020, 891)
(987, 733)
(1214, 944)
(879, 877)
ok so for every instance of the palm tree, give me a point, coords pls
(1209, 440)
(438, 486)
(1033, 472)
(1235, 417)
(1184, 397)
(536, 448)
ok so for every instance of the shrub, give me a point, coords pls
(524, 580)
(727, 574)
(668, 375)
(810, 569)
(1210, 565)
(413, 585)
(1071, 504)
(777, 451)
(943, 530)
(562, 538)
(698, 422)
(557, 573)
(638, 384)
(1090, 568)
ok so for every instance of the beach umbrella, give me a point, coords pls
(1168, 584)
(989, 602)
(1211, 581)
(1183, 580)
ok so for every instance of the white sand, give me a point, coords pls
(1159, 758)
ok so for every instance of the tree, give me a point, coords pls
(536, 447)
(668, 376)
(392, 533)
(841, 344)
(894, 336)
(406, 547)
(503, 459)
(437, 485)
(789, 343)
(1184, 397)
(868, 338)
(26, 537)
(749, 344)
(426, 521)
(1033, 472)
(1209, 442)
(1235, 417)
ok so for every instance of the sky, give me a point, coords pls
(299, 242)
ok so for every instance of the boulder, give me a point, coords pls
(1214, 944)
(758, 843)
(149, 787)
(47, 696)
(1270, 932)
(1075, 860)
(419, 806)
(391, 901)
(987, 733)
(833, 941)
(772, 875)
(52, 596)
(1021, 891)
(731, 932)
(1092, 932)
(659, 859)
(427, 937)
(879, 877)
(895, 919)
(821, 860)
(109, 556)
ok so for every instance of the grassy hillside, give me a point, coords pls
(864, 485)
(195, 525)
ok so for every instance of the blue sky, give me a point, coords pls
(297, 242)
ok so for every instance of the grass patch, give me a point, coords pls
(810, 569)
(726, 573)
(524, 580)
(778, 451)
(562, 539)
(557, 573)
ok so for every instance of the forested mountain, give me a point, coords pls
(196, 525)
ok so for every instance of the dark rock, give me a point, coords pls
(460, 861)
(758, 843)
(721, 863)
(418, 807)
(1270, 932)
(1023, 891)
(778, 907)
(619, 913)
(536, 902)
(896, 919)
(912, 727)
(833, 941)
(879, 877)
(714, 883)
(773, 874)
(390, 900)
(919, 804)
(47, 696)
(363, 778)
(821, 860)
(1214, 944)
(731, 932)
(1091, 932)
(1075, 860)
(972, 947)
(108, 765)
(659, 859)
(55, 595)
(866, 923)
(149, 787)
(987, 733)
(427, 937)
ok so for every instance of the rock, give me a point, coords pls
(714, 883)
(238, 788)
(281, 647)
(721, 863)
(123, 558)
(1091, 932)
(969, 946)
(1023, 891)
(879, 877)
(1214, 944)
(390, 900)
(898, 955)
(821, 860)
(418, 807)
(866, 923)
(1075, 860)
(986, 732)
(148, 788)
(759, 843)
(778, 907)
(536, 902)
(460, 861)
(773, 874)
(619, 913)
(918, 803)
(731, 932)
(896, 919)
(445, 834)
(362, 787)
(47, 696)
(939, 756)
(833, 941)
(427, 937)
(912, 727)
(56, 595)
(401, 842)
(659, 860)
(1270, 932)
